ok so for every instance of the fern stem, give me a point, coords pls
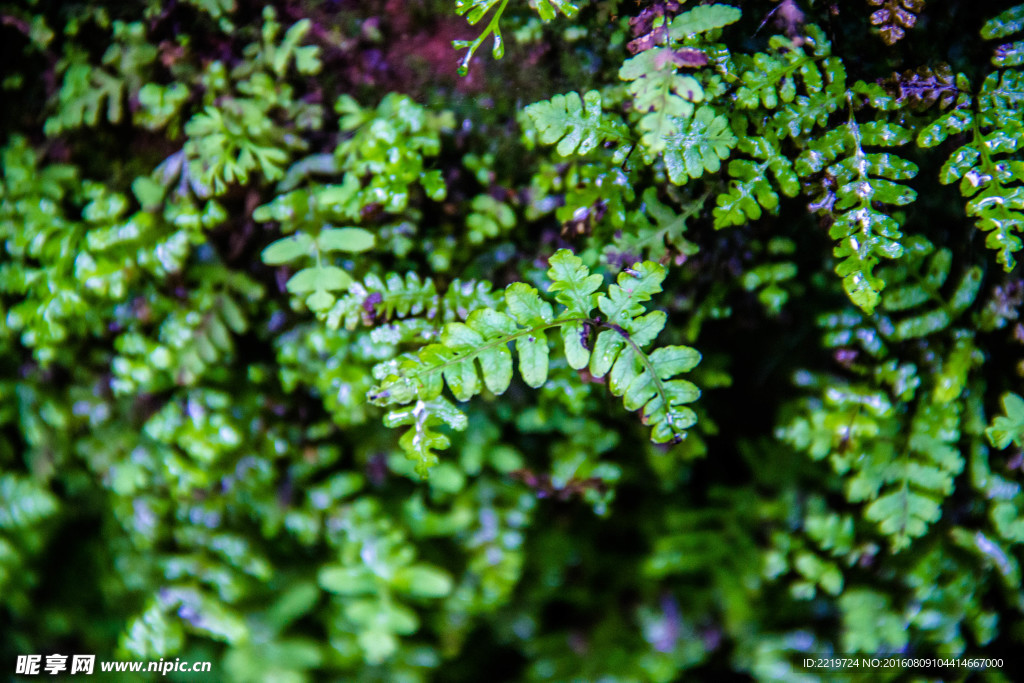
(491, 28)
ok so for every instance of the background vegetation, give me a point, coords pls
(242, 242)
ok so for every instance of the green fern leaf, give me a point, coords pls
(573, 284)
(475, 10)
(489, 218)
(917, 279)
(82, 96)
(1001, 100)
(1011, 54)
(384, 298)
(750, 190)
(697, 145)
(769, 279)
(229, 142)
(577, 126)
(771, 78)
(530, 311)
(920, 479)
(826, 93)
(990, 181)
(420, 440)
(660, 93)
(318, 283)
(864, 233)
(575, 288)
(1008, 428)
(1005, 24)
(702, 19)
(656, 231)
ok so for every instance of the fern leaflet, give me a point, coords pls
(1008, 428)
(577, 126)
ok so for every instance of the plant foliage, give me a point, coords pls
(642, 379)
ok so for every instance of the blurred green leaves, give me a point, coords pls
(318, 282)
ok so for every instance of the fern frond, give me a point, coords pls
(318, 282)
(702, 19)
(489, 218)
(462, 298)
(990, 178)
(1001, 99)
(229, 142)
(376, 299)
(768, 279)
(750, 190)
(917, 279)
(420, 440)
(920, 299)
(82, 96)
(383, 298)
(863, 181)
(771, 78)
(924, 87)
(660, 93)
(921, 477)
(575, 288)
(476, 354)
(902, 470)
(850, 328)
(895, 18)
(1008, 428)
(576, 126)
(697, 145)
(807, 112)
(657, 231)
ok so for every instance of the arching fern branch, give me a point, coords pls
(475, 10)
(476, 354)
